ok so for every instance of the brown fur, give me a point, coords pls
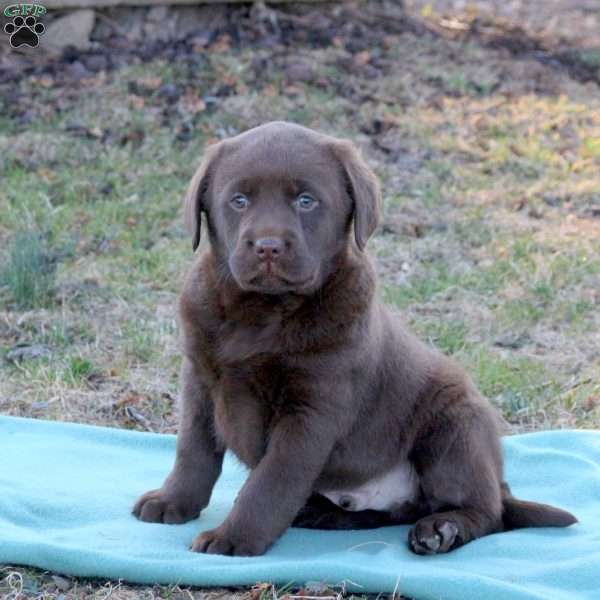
(293, 363)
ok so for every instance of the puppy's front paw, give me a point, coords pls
(221, 541)
(161, 506)
(432, 535)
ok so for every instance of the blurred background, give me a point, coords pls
(481, 118)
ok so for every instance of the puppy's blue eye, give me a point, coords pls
(239, 202)
(305, 202)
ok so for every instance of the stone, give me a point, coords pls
(169, 91)
(73, 29)
(158, 14)
(96, 62)
(22, 352)
(77, 71)
(203, 21)
(300, 72)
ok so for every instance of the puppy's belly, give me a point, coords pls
(389, 491)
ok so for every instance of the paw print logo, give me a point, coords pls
(24, 31)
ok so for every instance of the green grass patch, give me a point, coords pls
(144, 339)
(30, 271)
(447, 335)
(517, 385)
(77, 370)
(421, 287)
(57, 370)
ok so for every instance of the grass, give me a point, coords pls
(490, 247)
(29, 272)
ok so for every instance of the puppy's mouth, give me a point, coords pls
(271, 280)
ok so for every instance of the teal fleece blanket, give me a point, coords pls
(66, 493)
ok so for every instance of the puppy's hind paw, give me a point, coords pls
(432, 535)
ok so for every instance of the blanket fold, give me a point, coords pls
(66, 493)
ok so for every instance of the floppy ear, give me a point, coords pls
(363, 188)
(194, 201)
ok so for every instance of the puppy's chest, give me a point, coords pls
(250, 335)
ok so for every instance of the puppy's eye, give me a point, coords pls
(305, 202)
(239, 202)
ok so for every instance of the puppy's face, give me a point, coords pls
(279, 202)
(279, 213)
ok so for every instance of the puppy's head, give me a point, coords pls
(281, 202)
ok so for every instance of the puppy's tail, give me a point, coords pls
(521, 513)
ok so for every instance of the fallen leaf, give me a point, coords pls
(150, 82)
(192, 103)
(127, 399)
(95, 132)
(259, 589)
(136, 101)
(362, 58)
(221, 44)
(46, 174)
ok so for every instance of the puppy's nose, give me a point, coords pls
(268, 248)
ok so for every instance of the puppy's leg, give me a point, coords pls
(187, 489)
(444, 531)
(460, 464)
(298, 448)
(320, 513)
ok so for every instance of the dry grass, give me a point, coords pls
(490, 245)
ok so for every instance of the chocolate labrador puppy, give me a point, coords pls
(293, 363)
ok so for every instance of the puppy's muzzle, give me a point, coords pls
(269, 249)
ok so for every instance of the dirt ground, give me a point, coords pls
(572, 23)
(481, 118)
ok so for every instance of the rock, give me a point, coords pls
(512, 340)
(402, 225)
(102, 32)
(106, 188)
(77, 71)
(159, 24)
(371, 72)
(300, 72)
(96, 62)
(552, 200)
(158, 14)
(22, 352)
(203, 22)
(316, 588)
(169, 91)
(61, 583)
(74, 29)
